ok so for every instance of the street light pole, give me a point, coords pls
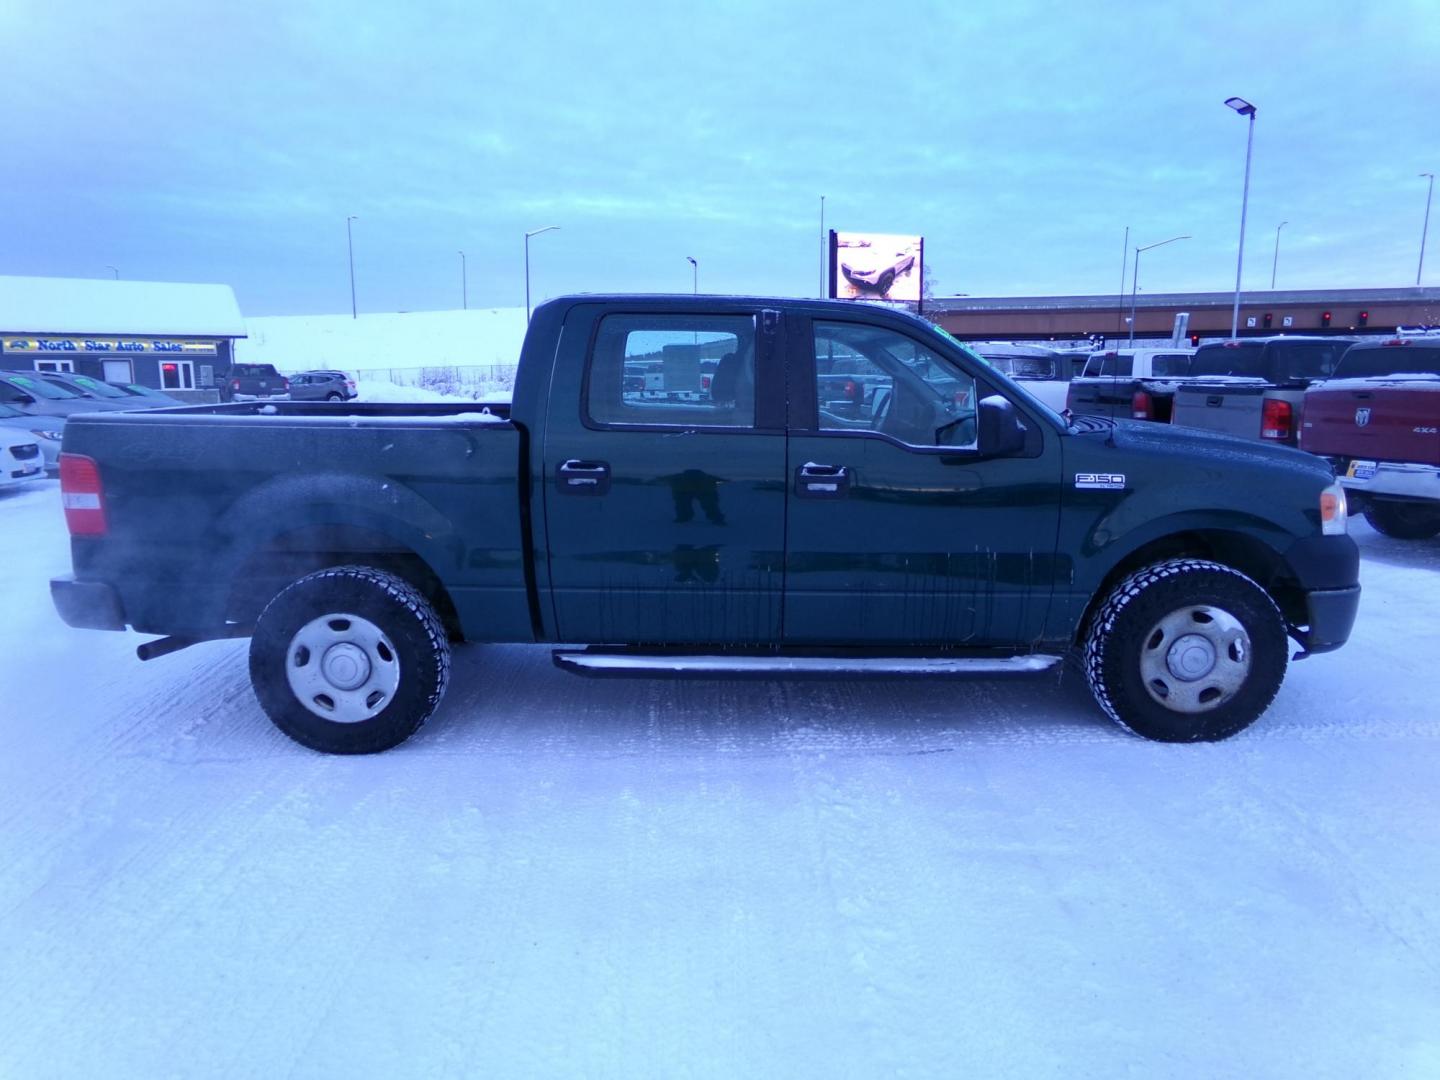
(350, 247)
(115, 271)
(1276, 263)
(1244, 108)
(532, 232)
(1124, 265)
(464, 286)
(1135, 277)
(694, 273)
(824, 253)
(1425, 229)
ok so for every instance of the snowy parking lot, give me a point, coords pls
(562, 877)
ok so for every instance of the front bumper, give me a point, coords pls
(89, 605)
(1331, 615)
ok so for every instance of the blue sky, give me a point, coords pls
(182, 142)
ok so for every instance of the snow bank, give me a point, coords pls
(381, 390)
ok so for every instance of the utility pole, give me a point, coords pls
(464, 287)
(350, 247)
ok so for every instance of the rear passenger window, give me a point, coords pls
(673, 371)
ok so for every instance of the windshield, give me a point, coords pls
(1364, 362)
(39, 388)
(96, 387)
(1024, 367)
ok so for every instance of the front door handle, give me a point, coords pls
(816, 481)
(577, 477)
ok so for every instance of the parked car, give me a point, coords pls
(1378, 424)
(85, 386)
(159, 398)
(254, 382)
(745, 532)
(1137, 384)
(30, 393)
(1043, 372)
(1255, 387)
(321, 386)
(21, 460)
(45, 431)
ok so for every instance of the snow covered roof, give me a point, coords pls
(40, 305)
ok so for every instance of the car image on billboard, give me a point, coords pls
(875, 266)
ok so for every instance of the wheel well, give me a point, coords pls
(289, 556)
(1253, 558)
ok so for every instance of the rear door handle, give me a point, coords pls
(578, 477)
(816, 481)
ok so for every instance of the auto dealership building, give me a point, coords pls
(173, 337)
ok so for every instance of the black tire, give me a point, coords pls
(1164, 618)
(887, 279)
(1403, 520)
(403, 651)
(334, 397)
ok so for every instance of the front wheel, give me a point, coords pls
(1403, 520)
(349, 660)
(1186, 651)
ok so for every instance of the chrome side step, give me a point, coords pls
(587, 662)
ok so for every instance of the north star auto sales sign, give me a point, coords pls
(106, 345)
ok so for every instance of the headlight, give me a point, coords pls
(38, 433)
(1333, 511)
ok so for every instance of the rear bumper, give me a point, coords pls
(1398, 480)
(89, 605)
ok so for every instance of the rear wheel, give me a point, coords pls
(1186, 651)
(349, 660)
(333, 396)
(1403, 520)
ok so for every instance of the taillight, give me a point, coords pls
(1141, 407)
(852, 390)
(82, 495)
(1277, 421)
(284, 384)
(235, 384)
(704, 382)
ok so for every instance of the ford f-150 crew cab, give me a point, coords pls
(1378, 423)
(740, 522)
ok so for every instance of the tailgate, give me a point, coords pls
(1380, 423)
(1232, 407)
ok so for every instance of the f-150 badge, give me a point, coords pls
(1106, 480)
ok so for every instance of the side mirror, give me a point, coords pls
(1001, 430)
(22, 399)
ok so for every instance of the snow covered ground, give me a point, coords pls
(562, 877)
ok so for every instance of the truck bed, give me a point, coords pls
(223, 504)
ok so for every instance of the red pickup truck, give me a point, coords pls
(1378, 423)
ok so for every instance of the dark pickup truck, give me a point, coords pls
(945, 523)
(1378, 424)
(1254, 388)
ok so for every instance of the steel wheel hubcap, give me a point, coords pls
(1195, 659)
(342, 667)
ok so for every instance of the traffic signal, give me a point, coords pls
(1194, 341)
(1325, 318)
(1364, 318)
(1269, 318)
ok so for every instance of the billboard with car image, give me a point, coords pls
(876, 266)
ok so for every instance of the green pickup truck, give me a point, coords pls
(731, 515)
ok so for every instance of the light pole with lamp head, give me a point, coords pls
(694, 273)
(532, 232)
(1276, 263)
(114, 272)
(1244, 108)
(350, 247)
(1135, 277)
(464, 286)
(1425, 229)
